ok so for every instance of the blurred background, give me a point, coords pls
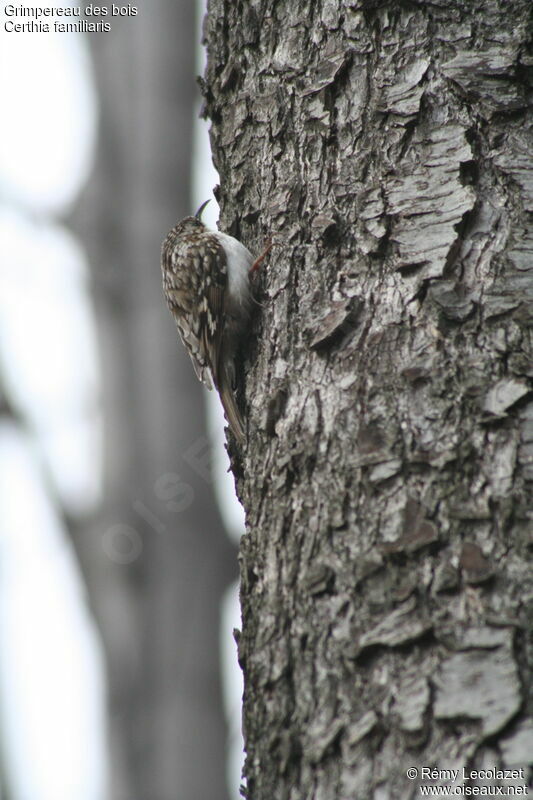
(118, 522)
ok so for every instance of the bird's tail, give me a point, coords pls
(233, 415)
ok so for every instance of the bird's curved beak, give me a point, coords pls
(198, 214)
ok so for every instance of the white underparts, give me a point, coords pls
(239, 260)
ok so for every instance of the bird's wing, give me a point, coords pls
(199, 314)
(212, 328)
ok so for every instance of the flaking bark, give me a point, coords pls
(386, 387)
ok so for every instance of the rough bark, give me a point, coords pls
(388, 469)
(156, 558)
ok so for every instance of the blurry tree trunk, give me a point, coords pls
(157, 561)
(390, 453)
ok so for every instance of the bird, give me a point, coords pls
(206, 283)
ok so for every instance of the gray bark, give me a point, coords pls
(156, 559)
(387, 475)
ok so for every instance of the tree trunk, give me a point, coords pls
(389, 461)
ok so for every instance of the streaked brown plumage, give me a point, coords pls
(206, 285)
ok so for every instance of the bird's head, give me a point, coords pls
(190, 224)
